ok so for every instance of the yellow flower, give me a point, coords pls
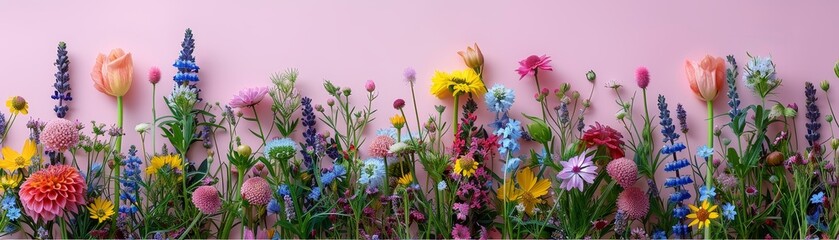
(703, 214)
(158, 162)
(101, 209)
(406, 179)
(465, 166)
(17, 105)
(456, 83)
(508, 192)
(398, 121)
(532, 189)
(12, 160)
(10, 181)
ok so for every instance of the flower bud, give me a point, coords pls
(539, 131)
(348, 91)
(430, 127)
(564, 88)
(825, 85)
(587, 103)
(154, 75)
(370, 86)
(726, 141)
(398, 104)
(243, 150)
(834, 143)
(828, 118)
(440, 108)
(591, 76)
(472, 57)
(793, 106)
(319, 108)
(142, 128)
(575, 95)
(717, 130)
(775, 159)
(836, 69)
(330, 102)
(789, 112)
(620, 115)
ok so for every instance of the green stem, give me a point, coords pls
(416, 112)
(454, 116)
(153, 120)
(117, 150)
(710, 163)
(63, 228)
(191, 225)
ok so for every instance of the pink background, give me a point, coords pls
(241, 44)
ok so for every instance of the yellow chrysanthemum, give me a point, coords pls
(465, 166)
(456, 83)
(12, 160)
(406, 179)
(703, 214)
(158, 162)
(101, 209)
(17, 105)
(531, 189)
(508, 191)
(398, 121)
(10, 181)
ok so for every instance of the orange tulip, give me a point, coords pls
(112, 75)
(472, 57)
(706, 77)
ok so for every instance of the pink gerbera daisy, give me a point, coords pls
(533, 63)
(577, 171)
(248, 97)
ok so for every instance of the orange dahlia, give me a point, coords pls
(50, 192)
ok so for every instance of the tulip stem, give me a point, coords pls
(116, 152)
(710, 161)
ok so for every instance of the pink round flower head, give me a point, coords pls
(642, 77)
(248, 97)
(410, 75)
(257, 191)
(154, 75)
(370, 86)
(533, 63)
(634, 202)
(380, 146)
(59, 135)
(623, 171)
(206, 199)
(53, 191)
(398, 103)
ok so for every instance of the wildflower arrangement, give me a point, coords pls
(313, 168)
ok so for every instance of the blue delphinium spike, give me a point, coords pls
(668, 130)
(187, 68)
(733, 97)
(62, 81)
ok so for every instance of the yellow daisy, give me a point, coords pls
(101, 209)
(531, 189)
(17, 105)
(12, 160)
(508, 192)
(465, 166)
(406, 179)
(10, 181)
(173, 161)
(703, 214)
(398, 121)
(456, 83)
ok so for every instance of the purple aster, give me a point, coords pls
(577, 171)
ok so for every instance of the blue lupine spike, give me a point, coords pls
(62, 81)
(668, 130)
(733, 96)
(187, 68)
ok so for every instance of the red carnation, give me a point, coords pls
(604, 136)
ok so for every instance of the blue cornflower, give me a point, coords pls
(327, 177)
(9, 202)
(281, 149)
(674, 148)
(315, 194)
(372, 172)
(676, 165)
(659, 234)
(509, 137)
(499, 98)
(340, 171)
(817, 198)
(815, 219)
(706, 192)
(274, 206)
(13, 213)
(187, 69)
(512, 165)
(728, 211)
(704, 152)
(672, 182)
(668, 130)
(283, 190)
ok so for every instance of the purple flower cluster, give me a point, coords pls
(62, 82)
(310, 134)
(813, 125)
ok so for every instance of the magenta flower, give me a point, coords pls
(533, 63)
(576, 172)
(461, 232)
(248, 97)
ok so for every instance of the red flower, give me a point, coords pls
(604, 136)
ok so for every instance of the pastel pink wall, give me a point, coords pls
(241, 44)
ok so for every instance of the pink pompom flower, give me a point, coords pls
(206, 199)
(533, 63)
(248, 97)
(59, 135)
(623, 171)
(634, 202)
(380, 146)
(257, 191)
(642, 77)
(154, 75)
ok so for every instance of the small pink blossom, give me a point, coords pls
(370, 86)
(461, 232)
(642, 77)
(462, 210)
(248, 97)
(154, 75)
(533, 63)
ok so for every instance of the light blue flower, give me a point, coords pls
(442, 185)
(273, 206)
(9, 202)
(327, 178)
(705, 152)
(512, 165)
(499, 98)
(728, 211)
(10, 228)
(392, 133)
(13, 213)
(706, 192)
(372, 172)
(283, 190)
(315, 194)
(281, 149)
(817, 198)
(509, 137)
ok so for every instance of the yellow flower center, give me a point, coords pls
(18, 103)
(467, 164)
(19, 161)
(100, 212)
(702, 214)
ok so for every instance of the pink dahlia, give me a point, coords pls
(623, 171)
(248, 97)
(642, 77)
(206, 199)
(634, 202)
(380, 146)
(604, 136)
(532, 64)
(576, 172)
(257, 191)
(50, 192)
(59, 135)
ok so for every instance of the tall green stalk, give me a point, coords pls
(153, 119)
(710, 162)
(454, 115)
(117, 150)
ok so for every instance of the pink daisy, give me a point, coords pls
(248, 97)
(462, 210)
(533, 63)
(461, 232)
(577, 171)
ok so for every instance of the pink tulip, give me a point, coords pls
(706, 77)
(112, 75)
